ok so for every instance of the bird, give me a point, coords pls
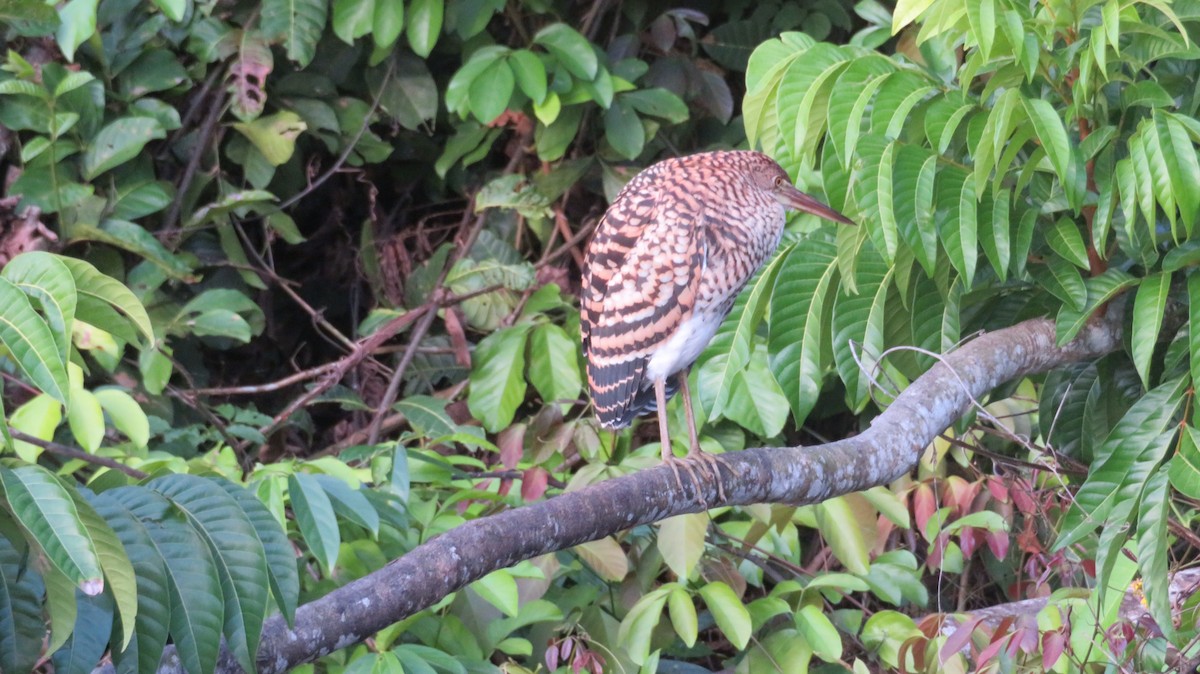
(662, 271)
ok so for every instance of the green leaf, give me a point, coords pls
(499, 589)
(77, 24)
(733, 342)
(914, 181)
(1065, 239)
(118, 570)
(1052, 134)
(1123, 464)
(681, 542)
(352, 18)
(299, 24)
(274, 135)
(43, 277)
(756, 402)
(799, 323)
(570, 48)
(89, 641)
(683, 615)
(281, 556)
(86, 419)
(38, 416)
(858, 328)
(1100, 290)
(33, 346)
(839, 526)
(819, 632)
(907, 12)
(425, 25)
(530, 74)
(350, 503)
(21, 626)
(491, 91)
(623, 129)
(1183, 168)
(1152, 549)
(657, 102)
(885, 235)
(994, 233)
(119, 142)
(638, 625)
(387, 23)
(193, 585)
(1184, 467)
(729, 612)
(1148, 309)
(554, 364)
(315, 518)
(46, 510)
(236, 550)
(982, 18)
(91, 284)
(1061, 279)
(497, 379)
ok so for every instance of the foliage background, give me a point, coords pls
(289, 289)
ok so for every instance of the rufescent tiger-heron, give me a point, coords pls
(662, 272)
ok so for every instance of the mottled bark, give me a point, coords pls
(888, 449)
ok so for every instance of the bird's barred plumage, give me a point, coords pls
(667, 261)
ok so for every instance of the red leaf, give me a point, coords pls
(511, 442)
(458, 337)
(998, 543)
(505, 486)
(533, 483)
(968, 540)
(998, 489)
(958, 639)
(1053, 644)
(923, 506)
(1022, 497)
(990, 651)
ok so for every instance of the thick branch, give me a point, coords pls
(798, 475)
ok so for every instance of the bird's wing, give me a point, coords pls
(640, 283)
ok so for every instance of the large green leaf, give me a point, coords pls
(31, 342)
(89, 640)
(734, 339)
(1123, 464)
(236, 550)
(1100, 289)
(729, 612)
(21, 626)
(119, 142)
(96, 286)
(554, 364)
(858, 328)
(46, 279)
(425, 25)
(297, 23)
(193, 582)
(799, 331)
(1153, 550)
(498, 377)
(316, 518)
(1149, 307)
(638, 625)
(46, 510)
(150, 629)
(115, 562)
(281, 556)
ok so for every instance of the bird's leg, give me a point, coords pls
(694, 451)
(668, 457)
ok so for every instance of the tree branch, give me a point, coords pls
(796, 475)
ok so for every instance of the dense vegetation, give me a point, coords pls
(288, 289)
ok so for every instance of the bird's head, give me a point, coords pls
(770, 176)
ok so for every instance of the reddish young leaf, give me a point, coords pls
(924, 506)
(1053, 644)
(997, 489)
(958, 640)
(458, 336)
(533, 483)
(511, 442)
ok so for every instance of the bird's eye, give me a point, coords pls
(779, 181)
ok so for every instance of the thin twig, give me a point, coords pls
(69, 452)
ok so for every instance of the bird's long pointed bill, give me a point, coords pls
(799, 201)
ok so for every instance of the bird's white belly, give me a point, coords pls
(685, 345)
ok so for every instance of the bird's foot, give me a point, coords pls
(713, 463)
(688, 467)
